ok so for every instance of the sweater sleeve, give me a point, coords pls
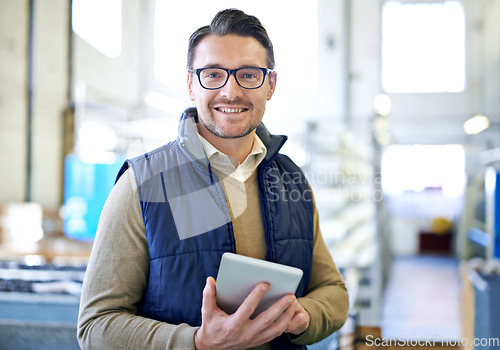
(326, 299)
(115, 281)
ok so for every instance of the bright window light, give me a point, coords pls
(415, 168)
(297, 46)
(423, 47)
(100, 24)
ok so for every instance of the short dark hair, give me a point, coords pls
(232, 21)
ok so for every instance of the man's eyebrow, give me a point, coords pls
(212, 65)
(216, 65)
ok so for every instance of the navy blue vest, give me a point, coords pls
(188, 225)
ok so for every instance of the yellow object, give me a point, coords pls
(440, 225)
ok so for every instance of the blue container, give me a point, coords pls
(487, 309)
(492, 194)
(86, 188)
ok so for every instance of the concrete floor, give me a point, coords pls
(422, 299)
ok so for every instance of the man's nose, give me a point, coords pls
(232, 88)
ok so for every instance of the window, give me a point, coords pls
(424, 180)
(415, 168)
(423, 47)
(100, 24)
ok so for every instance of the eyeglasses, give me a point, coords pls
(213, 78)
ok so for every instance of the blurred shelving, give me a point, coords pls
(342, 167)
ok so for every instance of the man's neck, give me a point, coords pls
(236, 149)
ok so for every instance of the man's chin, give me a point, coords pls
(226, 134)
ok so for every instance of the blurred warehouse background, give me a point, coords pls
(392, 108)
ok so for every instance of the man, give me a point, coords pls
(221, 186)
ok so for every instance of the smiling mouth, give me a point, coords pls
(230, 110)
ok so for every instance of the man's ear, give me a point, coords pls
(273, 77)
(190, 85)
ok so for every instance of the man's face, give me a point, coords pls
(231, 111)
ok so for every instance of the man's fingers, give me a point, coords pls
(209, 302)
(242, 330)
(299, 322)
(274, 327)
(273, 321)
(247, 308)
(278, 308)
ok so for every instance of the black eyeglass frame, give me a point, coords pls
(266, 72)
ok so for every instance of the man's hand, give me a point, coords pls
(237, 331)
(299, 322)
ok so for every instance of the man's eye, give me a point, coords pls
(212, 75)
(248, 76)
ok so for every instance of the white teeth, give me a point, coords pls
(231, 110)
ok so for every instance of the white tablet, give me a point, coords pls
(238, 275)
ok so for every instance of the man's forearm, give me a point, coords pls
(125, 331)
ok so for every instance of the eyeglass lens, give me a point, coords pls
(214, 78)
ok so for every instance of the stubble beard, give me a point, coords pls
(214, 128)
